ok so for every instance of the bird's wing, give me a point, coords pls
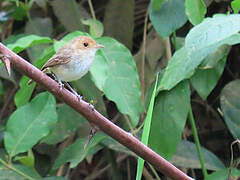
(62, 57)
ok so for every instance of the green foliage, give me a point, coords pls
(186, 156)
(95, 27)
(195, 10)
(235, 6)
(223, 174)
(169, 17)
(28, 124)
(22, 41)
(76, 152)
(169, 118)
(230, 104)
(200, 42)
(114, 72)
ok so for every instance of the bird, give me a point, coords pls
(72, 61)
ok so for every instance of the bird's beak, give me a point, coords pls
(99, 46)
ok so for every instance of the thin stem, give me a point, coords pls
(154, 171)
(143, 55)
(168, 48)
(196, 139)
(16, 170)
(91, 9)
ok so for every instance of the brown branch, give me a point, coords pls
(94, 117)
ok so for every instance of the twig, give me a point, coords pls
(168, 48)
(231, 163)
(94, 117)
(91, 9)
(143, 55)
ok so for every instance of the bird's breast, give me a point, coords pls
(74, 69)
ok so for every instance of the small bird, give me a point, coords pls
(72, 61)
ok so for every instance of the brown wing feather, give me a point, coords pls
(63, 56)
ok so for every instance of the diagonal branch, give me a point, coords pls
(94, 117)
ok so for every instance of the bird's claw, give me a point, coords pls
(91, 106)
(61, 85)
(79, 97)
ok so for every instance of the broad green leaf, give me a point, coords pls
(95, 27)
(223, 174)
(119, 21)
(114, 72)
(204, 80)
(186, 59)
(29, 123)
(169, 17)
(25, 91)
(195, 11)
(68, 122)
(27, 160)
(9, 174)
(75, 153)
(230, 105)
(169, 118)
(212, 32)
(157, 4)
(22, 41)
(69, 13)
(186, 156)
(146, 130)
(235, 6)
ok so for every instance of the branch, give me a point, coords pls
(94, 117)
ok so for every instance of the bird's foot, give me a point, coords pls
(91, 106)
(61, 85)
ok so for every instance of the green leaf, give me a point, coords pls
(96, 27)
(75, 153)
(9, 174)
(146, 130)
(235, 6)
(119, 21)
(169, 17)
(230, 104)
(201, 41)
(69, 13)
(114, 72)
(25, 91)
(20, 11)
(169, 118)
(204, 80)
(29, 123)
(223, 174)
(157, 4)
(22, 41)
(212, 32)
(195, 11)
(186, 156)
(68, 122)
(27, 160)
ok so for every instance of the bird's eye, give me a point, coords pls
(85, 44)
